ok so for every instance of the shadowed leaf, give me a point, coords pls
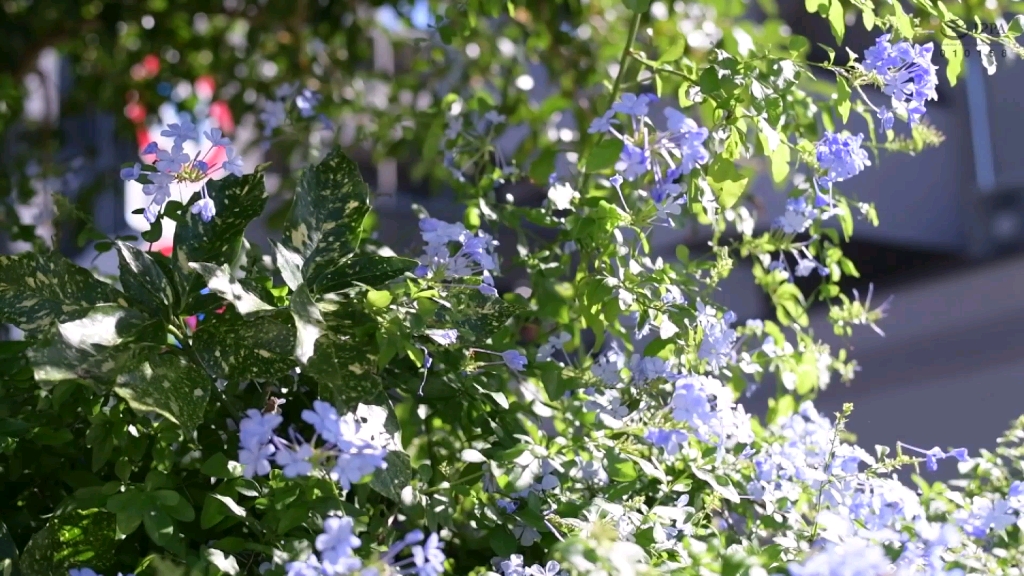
(39, 288)
(168, 385)
(261, 346)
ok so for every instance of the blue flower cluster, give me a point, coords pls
(859, 512)
(354, 444)
(175, 166)
(275, 111)
(515, 566)
(667, 155)
(841, 157)
(908, 77)
(337, 545)
(475, 254)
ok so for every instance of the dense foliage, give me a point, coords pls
(334, 408)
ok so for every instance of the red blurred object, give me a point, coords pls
(205, 86)
(151, 64)
(135, 112)
(221, 113)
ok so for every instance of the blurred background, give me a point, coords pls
(949, 247)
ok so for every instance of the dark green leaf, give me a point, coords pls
(309, 323)
(144, 283)
(289, 264)
(69, 540)
(397, 475)
(39, 288)
(477, 317)
(218, 466)
(604, 155)
(217, 507)
(503, 542)
(168, 385)
(344, 370)
(97, 345)
(8, 552)
(326, 221)
(222, 282)
(372, 270)
(160, 528)
(238, 202)
(235, 348)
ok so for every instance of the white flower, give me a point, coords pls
(561, 196)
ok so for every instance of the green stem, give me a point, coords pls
(634, 27)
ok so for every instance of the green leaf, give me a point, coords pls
(222, 282)
(326, 220)
(477, 317)
(70, 540)
(378, 298)
(373, 270)
(955, 57)
(620, 469)
(8, 553)
(344, 370)
(260, 347)
(143, 282)
(542, 167)
(868, 15)
(503, 542)
(390, 481)
(168, 385)
(216, 508)
(289, 264)
(604, 155)
(238, 202)
(160, 528)
(219, 466)
(309, 323)
(40, 288)
(95, 346)
(675, 52)
(836, 20)
(843, 98)
(223, 562)
(807, 373)
(727, 181)
(903, 22)
(815, 5)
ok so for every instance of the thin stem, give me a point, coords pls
(634, 27)
(828, 478)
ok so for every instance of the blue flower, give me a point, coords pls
(295, 463)
(637, 160)
(306, 101)
(429, 558)
(205, 208)
(185, 130)
(132, 172)
(669, 440)
(885, 115)
(233, 165)
(908, 76)
(514, 360)
(216, 137)
(841, 157)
